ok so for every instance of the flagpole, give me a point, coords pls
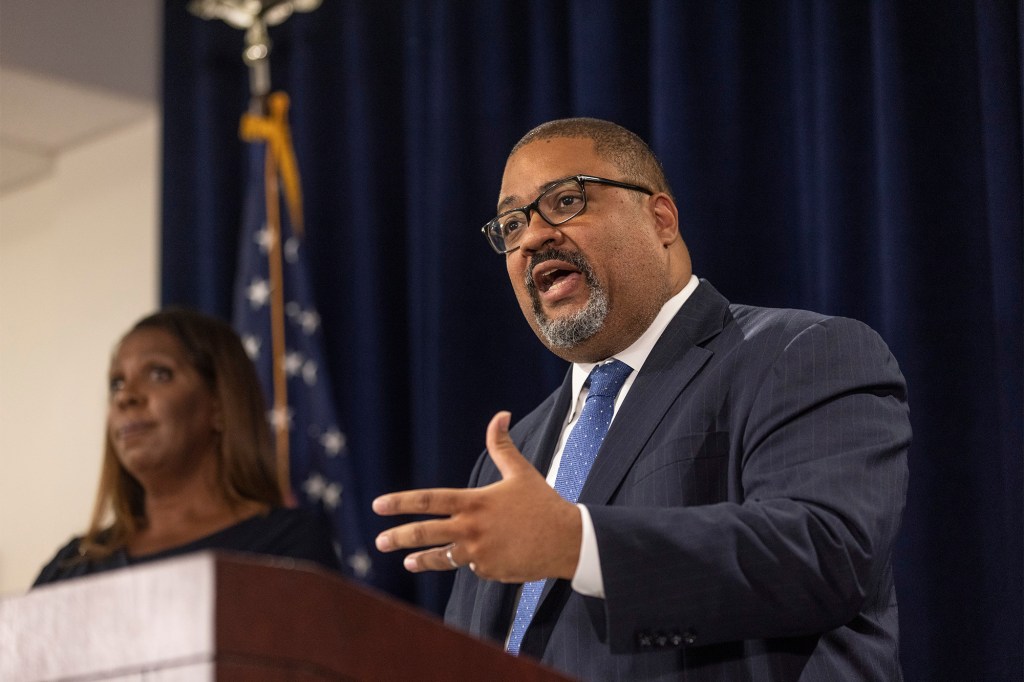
(309, 445)
(256, 57)
(270, 128)
(277, 335)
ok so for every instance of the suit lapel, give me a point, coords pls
(674, 361)
(540, 450)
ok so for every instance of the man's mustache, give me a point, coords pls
(574, 258)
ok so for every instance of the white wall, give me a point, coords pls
(78, 265)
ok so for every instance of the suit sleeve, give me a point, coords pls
(817, 445)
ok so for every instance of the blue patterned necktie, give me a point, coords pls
(577, 457)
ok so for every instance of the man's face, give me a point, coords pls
(591, 286)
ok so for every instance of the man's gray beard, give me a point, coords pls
(573, 330)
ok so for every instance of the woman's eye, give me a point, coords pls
(160, 374)
(115, 385)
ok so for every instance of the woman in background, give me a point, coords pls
(188, 463)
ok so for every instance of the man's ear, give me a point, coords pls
(666, 219)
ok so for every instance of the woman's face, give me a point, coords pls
(162, 419)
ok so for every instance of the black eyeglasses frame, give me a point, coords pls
(534, 206)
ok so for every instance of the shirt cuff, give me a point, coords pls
(588, 579)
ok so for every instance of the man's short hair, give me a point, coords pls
(621, 147)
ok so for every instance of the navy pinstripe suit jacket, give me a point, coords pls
(745, 500)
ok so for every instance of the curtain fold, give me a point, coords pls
(859, 159)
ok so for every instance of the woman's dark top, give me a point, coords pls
(293, 533)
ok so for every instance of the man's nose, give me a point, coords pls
(538, 234)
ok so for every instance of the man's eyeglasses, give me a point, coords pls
(558, 204)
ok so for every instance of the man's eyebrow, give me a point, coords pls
(506, 202)
(513, 199)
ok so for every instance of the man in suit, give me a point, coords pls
(738, 519)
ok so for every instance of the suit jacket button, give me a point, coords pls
(676, 639)
(690, 637)
(644, 640)
(661, 640)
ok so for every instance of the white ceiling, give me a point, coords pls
(71, 71)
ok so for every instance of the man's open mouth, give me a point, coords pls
(551, 273)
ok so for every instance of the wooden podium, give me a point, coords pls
(213, 616)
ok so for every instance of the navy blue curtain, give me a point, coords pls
(856, 158)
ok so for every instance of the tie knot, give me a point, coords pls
(607, 379)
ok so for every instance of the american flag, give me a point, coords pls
(318, 461)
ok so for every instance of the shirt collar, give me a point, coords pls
(636, 354)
